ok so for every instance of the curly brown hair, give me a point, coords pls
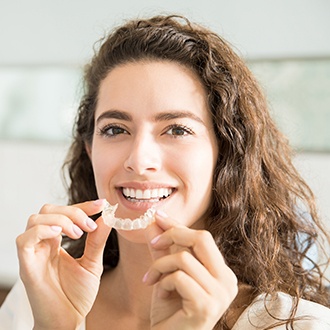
(258, 211)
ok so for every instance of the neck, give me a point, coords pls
(124, 285)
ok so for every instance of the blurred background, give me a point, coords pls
(44, 45)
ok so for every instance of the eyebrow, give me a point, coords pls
(163, 116)
(114, 114)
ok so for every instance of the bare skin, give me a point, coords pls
(138, 318)
(137, 305)
(170, 275)
(47, 270)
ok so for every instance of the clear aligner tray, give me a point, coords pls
(142, 222)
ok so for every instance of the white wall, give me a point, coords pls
(29, 177)
(45, 32)
(62, 31)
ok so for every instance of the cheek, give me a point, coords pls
(196, 174)
(104, 164)
(202, 176)
(196, 166)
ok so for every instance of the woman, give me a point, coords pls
(172, 119)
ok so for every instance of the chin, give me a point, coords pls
(133, 236)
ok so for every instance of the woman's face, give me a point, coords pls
(154, 143)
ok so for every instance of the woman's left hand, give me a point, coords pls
(193, 286)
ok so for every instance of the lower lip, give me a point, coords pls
(138, 206)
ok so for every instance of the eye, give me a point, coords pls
(179, 130)
(112, 130)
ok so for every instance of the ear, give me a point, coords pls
(88, 148)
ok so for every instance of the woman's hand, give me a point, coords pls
(193, 286)
(62, 289)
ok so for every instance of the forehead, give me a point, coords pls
(152, 85)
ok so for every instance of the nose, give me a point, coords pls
(144, 155)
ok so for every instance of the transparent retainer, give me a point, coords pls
(142, 222)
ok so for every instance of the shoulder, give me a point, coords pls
(267, 310)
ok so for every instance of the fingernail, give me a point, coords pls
(99, 202)
(155, 240)
(91, 224)
(145, 277)
(162, 214)
(77, 230)
(57, 229)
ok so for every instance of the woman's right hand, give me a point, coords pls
(62, 289)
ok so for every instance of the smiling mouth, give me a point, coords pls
(147, 195)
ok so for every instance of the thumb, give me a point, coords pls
(94, 247)
(152, 232)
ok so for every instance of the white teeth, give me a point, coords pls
(138, 194)
(126, 191)
(143, 222)
(161, 192)
(147, 193)
(154, 193)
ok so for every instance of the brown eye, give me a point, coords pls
(177, 130)
(113, 130)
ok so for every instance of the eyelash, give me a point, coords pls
(105, 130)
(185, 129)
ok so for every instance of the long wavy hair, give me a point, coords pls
(258, 211)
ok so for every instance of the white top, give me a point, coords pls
(16, 314)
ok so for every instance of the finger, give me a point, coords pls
(164, 221)
(92, 207)
(94, 247)
(78, 214)
(200, 242)
(197, 304)
(182, 261)
(40, 242)
(151, 232)
(68, 226)
(32, 237)
(183, 284)
(89, 207)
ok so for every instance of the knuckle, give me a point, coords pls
(233, 279)
(76, 212)
(172, 231)
(19, 241)
(46, 208)
(203, 236)
(206, 308)
(184, 257)
(156, 264)
(179, 276)
(32, 220)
